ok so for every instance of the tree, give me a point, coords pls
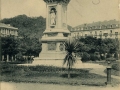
(29, 46)
(103, 46)
(72, 46)
(9, 46)
(108, 46)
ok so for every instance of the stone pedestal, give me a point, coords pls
(56, 31)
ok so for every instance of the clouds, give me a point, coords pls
(79, 11)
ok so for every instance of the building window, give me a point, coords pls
(81, 34)
(111, 26)
(103, 27)
(85, 35)
(93, 27)
(100, 34)
(114, 25)
(95, 33)
(91, 33)
(74, 35)
(2, 31)
(98, 27)
(110, 33)
(90, 28)
(83, 28)
(116, 34)
(105, 34)
(78, 35)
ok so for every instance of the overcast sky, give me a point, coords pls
(79, 11)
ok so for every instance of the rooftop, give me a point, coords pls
(7, 26)
(99, 23)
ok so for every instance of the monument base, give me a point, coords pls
(51, 55)
(52, 61)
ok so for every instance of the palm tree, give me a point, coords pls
(72, 46)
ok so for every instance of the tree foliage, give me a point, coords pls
(102, 46)
(31, 27)
(30, 46)
(9, 46)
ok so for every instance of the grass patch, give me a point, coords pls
(50, 74)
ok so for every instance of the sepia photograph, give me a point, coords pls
(59, 44)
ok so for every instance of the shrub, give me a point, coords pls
(102, 57)
(85, 57)
(7, 68)
(111, 59)
(116, 67)
(108, 55)
(94, 57)
(19, 57)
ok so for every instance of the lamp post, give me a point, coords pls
(0, 47)
(0, 37)
(108, 73)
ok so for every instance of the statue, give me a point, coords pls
(53, 16)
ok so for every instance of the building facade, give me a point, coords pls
(7, 30)
(105, 29)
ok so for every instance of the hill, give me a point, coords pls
(31, 27)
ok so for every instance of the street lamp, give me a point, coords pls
(0, 47)
(108, 73)
(0, 37)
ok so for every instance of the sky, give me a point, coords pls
(78, 11)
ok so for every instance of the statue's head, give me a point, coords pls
(53, 10)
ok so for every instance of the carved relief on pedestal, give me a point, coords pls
(51, 46)
(61, 47)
